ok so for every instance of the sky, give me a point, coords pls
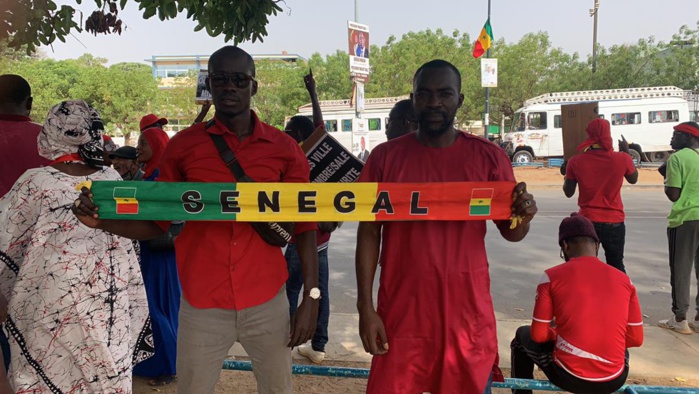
(310, 26)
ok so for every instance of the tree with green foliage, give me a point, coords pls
(31, 23)
(121, 93)
(280, 90)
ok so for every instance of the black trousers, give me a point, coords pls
(525, 353)
(612, 236)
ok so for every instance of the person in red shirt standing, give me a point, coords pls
(600, 173)
(596, 313)
(434, 326)
(233, 282)
(18, 153)
(18, 134)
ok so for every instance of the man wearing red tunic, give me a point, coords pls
(434, 328)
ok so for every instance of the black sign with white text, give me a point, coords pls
(331, 162)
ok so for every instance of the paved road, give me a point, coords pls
(517, 267)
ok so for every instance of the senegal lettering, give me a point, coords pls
(343, 201)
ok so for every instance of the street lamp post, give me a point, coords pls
(593, 13)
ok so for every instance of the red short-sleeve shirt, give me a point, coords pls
(226, 264)
(600, 175)
(18, 149)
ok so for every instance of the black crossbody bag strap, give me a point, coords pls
(228, 156)
(277, 234)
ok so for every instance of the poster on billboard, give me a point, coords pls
(489, 73)
(358, 48)
(203, 96)
(360, 139)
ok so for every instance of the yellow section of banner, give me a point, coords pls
(325, 203)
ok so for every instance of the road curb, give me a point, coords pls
(551, 186)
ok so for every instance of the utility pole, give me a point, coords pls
(357, 86)
(593, 13)
(486, 120)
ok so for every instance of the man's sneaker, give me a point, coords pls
(694, 325)
(678, 326)
(315, 356)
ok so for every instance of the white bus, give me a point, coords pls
(341, 122)
(645, 116)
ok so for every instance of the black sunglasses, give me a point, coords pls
(240, 80)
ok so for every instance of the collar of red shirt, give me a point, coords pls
(260, 130)
(15, 118)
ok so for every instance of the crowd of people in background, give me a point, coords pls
(88, 302)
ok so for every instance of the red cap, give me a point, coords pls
(151, 120)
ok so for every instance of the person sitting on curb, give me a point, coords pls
(597, 317)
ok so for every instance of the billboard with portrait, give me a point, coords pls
(358, 48)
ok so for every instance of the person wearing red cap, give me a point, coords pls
(600, 173)
(596, 313)
(152, 120)
(682, 188)
(160, 277)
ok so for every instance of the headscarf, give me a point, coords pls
(687, 127)
(157, 139)
(599, 135)
(73, 127)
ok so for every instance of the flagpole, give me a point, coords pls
(486, 120)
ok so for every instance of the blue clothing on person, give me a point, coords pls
(293, 289)
(159, 270)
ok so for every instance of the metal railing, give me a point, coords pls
(524, 384)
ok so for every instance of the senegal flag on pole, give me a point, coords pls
(484, 40)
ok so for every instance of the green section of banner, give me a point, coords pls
(203, 202)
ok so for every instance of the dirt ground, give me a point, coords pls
(551, 176)
(238, 382)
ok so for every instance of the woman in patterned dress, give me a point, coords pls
(77, 312)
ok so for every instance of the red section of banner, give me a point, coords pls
(127, 208)
(396, 201)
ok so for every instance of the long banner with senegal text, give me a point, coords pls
(303, 202)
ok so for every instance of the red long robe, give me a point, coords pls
(434, 293)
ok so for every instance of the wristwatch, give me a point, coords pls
(314, 293)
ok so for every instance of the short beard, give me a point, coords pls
(436, 132)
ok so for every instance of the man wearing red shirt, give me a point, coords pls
(18, 134)
(18, 153)
(434, 326)
(597, 317)
(600, 173)
(232, 280)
